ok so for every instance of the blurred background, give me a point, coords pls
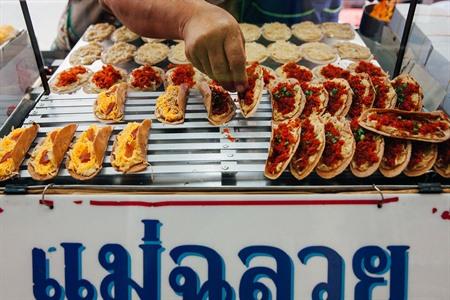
(46, 14)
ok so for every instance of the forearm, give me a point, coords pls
(155, 18)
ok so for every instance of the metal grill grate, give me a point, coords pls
(196, 151)
(193, 154)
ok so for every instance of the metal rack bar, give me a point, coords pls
(35, 46)
(405, 37)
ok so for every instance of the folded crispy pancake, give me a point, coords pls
(46, 158)
(339, 147)
(129, 154)
(109, 107)
(283, 144)
(340, 96)
(442, 164)
(409, 93)
(282, 90)
(19, 141)
(250, 99)
(218, 102)
(85, 159)
(310, 149)
(433, 127)
(171, 105)
(397, 154)
(423, 157)
(368, 152)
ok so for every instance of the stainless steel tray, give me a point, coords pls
(192, 155)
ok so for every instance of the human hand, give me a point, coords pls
(215, 45)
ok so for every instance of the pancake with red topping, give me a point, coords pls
(249, 99)
(442, 164)
(218, 102)
(47, 156)
(409, 93)
(283, 144)
(70, 80)
(269, 76)
(129, 153)
(183, 74)
(423, 157)
(310, 148)
(340, 96)
(339, 147)
(385, 96)
(105, 78)
(316, 99)
(13, 148)
(330, 71)
(295, 71)
(287, 99)
(431, 127)
(364, 66)
(146, 78)
(85, 158)
(368, 152)
(397, 154)
(363, 93)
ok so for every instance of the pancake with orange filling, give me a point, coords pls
(46, 158)
(13, 148)
(171, 105)
(85, 158)
(129, 154)
(109, 106)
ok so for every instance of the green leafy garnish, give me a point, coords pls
(331, 137)
(416, 127)
(360, 134)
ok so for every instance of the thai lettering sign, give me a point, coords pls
(231, 247)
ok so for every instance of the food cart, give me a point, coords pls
(203, 222)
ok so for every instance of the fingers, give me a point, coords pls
(215, 45)
(194, 61)
(198, 56)
(204, 60)
(219, 65)
(235, 54)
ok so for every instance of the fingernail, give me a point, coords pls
(240, 88)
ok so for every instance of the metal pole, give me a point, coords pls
(35, 46)
(405, 36)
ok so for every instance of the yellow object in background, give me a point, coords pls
(6, 33)
(384, 10)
